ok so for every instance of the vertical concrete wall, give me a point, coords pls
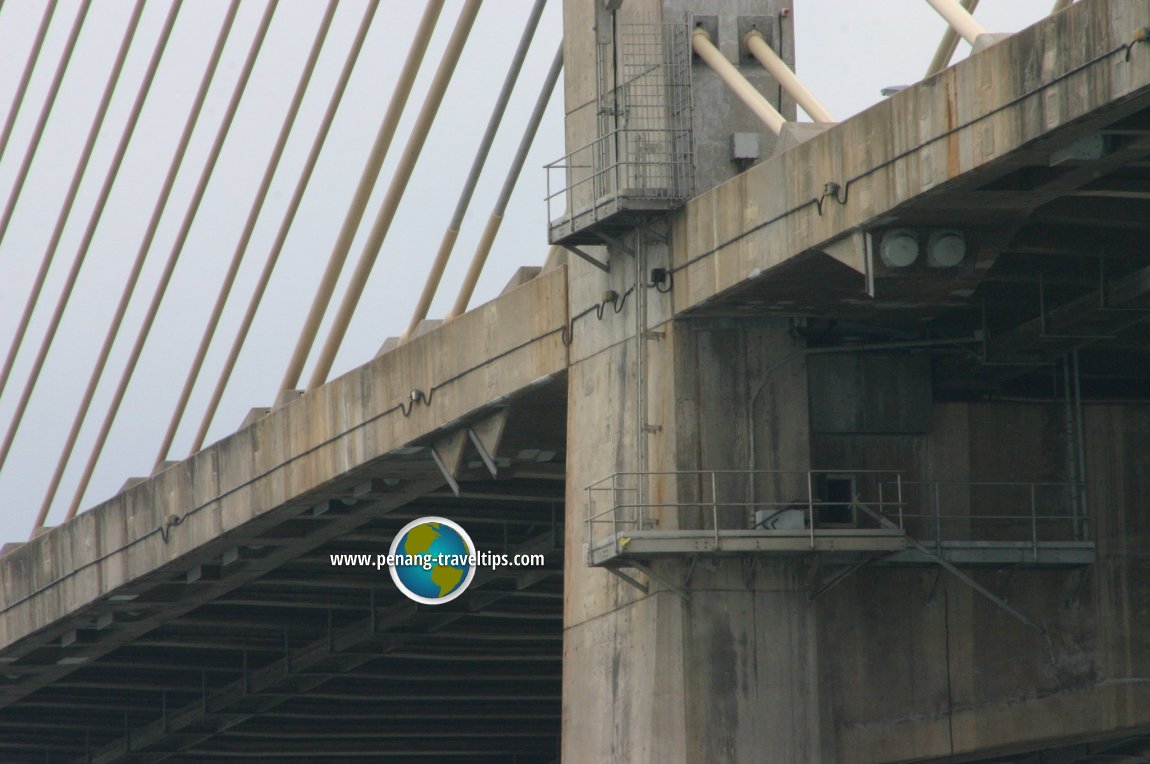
(718, 115)
(894, 664)
(594, 46)
(731, 674)
(916, 665)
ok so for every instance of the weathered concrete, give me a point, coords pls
(914, 672)
(1063, 78)
(728, 675)
(308, 450)
(892, 665)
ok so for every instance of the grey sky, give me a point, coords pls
(846, 51)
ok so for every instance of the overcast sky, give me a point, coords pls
(846, 52)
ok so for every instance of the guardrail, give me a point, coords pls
(938, 511)
(935, 512)
(632, 164)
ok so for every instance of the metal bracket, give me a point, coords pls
(930, 598)
(486, 457)
(690, 569)
(683, 593)
(451, 481)
(984, 357)
(868, 262)
(950, 567)
(650, 231)
(1103, 294)
(630, 580)
(611, 241)
(1071, 599)
(580, 253)
(1043, 334)
(838, 577)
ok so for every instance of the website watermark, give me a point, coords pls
(433, 560)
(427, 562)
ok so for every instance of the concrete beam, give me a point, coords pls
(293, 458)
(920, 144)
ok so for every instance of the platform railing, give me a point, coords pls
(942, 511)
(630, 163)
(936, 512)
(726, 500)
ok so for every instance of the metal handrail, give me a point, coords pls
(611, 140)
(896, 510)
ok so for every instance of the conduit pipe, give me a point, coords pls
(70, 195)
(449, 236)
(137, 266)
(757, 46)
(754, 100)
(362, 193)
(1061, 5)
(948, 44)
(285, 226)
(395, 193)
(959, 19)
(246, 234)
(89, 233)
(174, 254)
(26, 75)
(42, 121)
(496, 219)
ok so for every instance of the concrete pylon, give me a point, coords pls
(717, 660)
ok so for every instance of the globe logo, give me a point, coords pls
(434, 560)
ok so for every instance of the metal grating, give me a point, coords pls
(643, 159)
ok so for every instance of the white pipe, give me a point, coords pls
(483, 249)
(362, 194)
(959, 19)
(1060, 5)
(395, 190)
(286, 222)
(241, 247)
(948, 44)
(177, 249)
(26, 76)
(757, 46)
(706, 50)
(447, 245)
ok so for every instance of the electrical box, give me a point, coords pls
(744, 147)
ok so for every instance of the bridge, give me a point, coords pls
(830, 437)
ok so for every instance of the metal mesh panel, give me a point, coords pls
(643, 158)
(654, 103)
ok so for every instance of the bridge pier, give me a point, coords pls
(716, 660)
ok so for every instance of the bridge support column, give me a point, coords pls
(717, 660)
